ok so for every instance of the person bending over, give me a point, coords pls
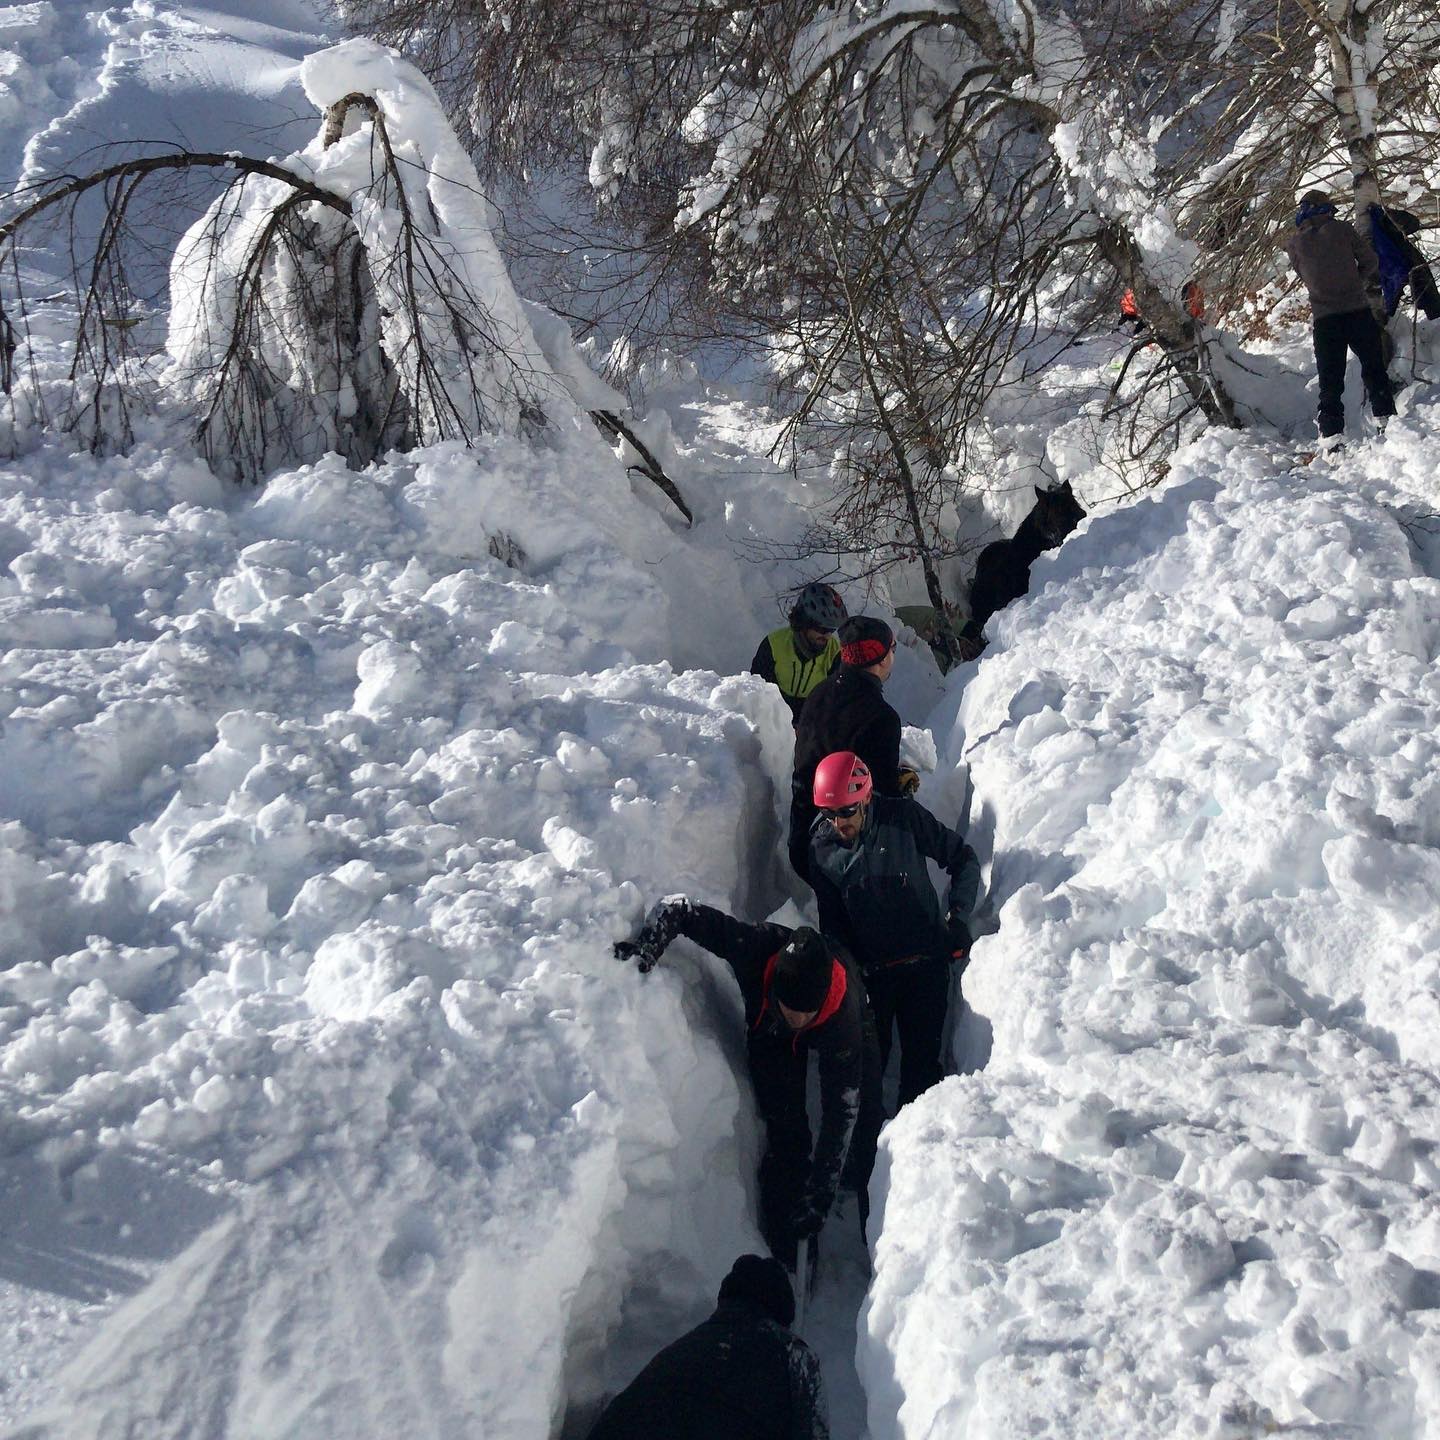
(802, 993)
(741, 1375)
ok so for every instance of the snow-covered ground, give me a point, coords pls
(327, 1112)
(1193, 1191)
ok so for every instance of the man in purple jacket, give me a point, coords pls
(1340, 271)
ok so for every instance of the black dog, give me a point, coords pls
(1002, 573)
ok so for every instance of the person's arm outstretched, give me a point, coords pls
(745, 948)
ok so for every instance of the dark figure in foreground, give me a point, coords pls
(802, 992)
(867, 864)
(1341, 273)
(1401, 263)
(739, 1376)
(801, 653)
(1002, 573)
(848, 712)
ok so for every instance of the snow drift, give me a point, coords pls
(1193, 1191)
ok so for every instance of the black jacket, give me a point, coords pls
(876, 895)
(738, 1376)
(847, 711)
(839, 1039)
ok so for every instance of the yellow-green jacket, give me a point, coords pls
(779, 661)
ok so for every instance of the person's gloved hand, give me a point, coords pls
(638, 950)
(970, 646)
(661, 926)
(808, 1219)
(909, 780)
(958, 932)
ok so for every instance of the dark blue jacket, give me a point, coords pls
(876, 896)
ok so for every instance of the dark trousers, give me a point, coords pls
(911, 998)
(1335, 335)
(778, 1075)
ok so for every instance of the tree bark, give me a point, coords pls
(1163, 311)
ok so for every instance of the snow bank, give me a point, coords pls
(1194, 1190)
(320, 811)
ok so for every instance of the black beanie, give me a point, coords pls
(802, 972)
(1315, 197)
(864, 640)
(763, 1281)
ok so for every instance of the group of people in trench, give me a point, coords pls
(878, 970)
(881, 965)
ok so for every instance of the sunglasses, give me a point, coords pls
(845, 812)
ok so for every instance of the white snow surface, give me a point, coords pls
(326, 1110)
(1193, 1191)
(318, 822)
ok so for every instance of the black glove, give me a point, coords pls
(639, 951)
(661, 926)
(909, 780)
(808, 1219)
(959, 935)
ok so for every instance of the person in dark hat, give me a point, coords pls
(847, 711)
(802, 993)
(741, 1375)
(1341, 273)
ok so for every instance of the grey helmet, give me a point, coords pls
(818, 607)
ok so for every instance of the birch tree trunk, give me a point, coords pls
(1012, 57)
(1352, 43)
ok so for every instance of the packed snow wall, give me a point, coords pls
(1193, 1190)
(319, 820)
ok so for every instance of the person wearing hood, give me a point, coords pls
(802, 992)
(741, 1375)
(1341, 273)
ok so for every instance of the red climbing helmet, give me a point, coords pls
(841, 780)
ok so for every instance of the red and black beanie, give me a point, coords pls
(864, 640)
(802, 972)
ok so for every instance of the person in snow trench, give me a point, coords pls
(739, 1376)
(802, 993)
(801, 653)
(848, 712)
(868, 857)
(1341, 273)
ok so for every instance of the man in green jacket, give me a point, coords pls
(801, 653)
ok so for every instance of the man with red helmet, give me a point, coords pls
(868, 856)
(847, 712)
(802, 993)
(801, 653)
